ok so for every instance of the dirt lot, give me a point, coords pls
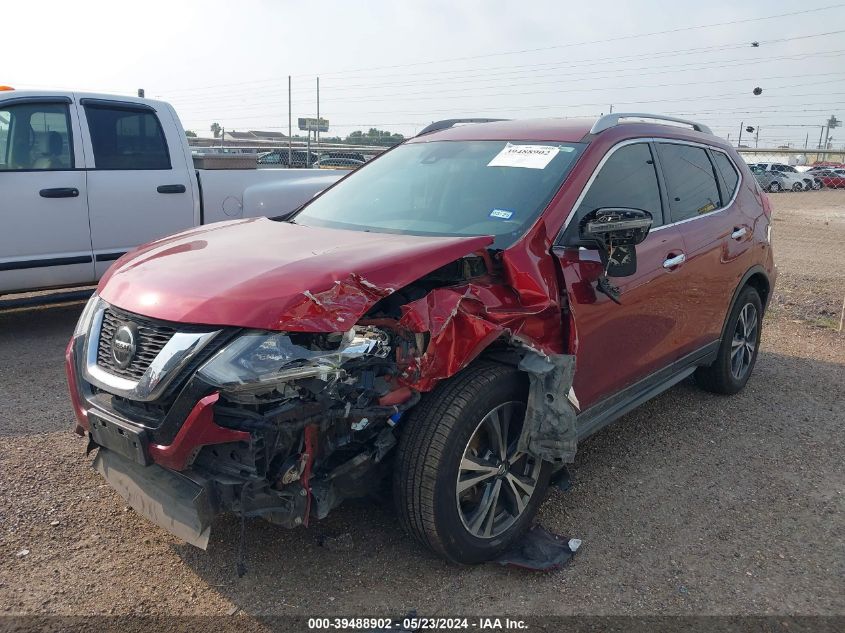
(693, 504)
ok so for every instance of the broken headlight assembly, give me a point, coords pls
(260, 361)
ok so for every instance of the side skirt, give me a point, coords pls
(610, 409)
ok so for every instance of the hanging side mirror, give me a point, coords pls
(616, 232)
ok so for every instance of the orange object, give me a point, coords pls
(2, 88)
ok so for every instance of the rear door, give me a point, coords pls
(619, 345)
(139, 188)
(704, 205)
(45, 239)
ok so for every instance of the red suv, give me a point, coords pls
(457, 314)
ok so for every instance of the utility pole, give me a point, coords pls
(739, 142)
(290, 129)
(318, 114)
(832, 122)
(806, 140)
(222, 136)
(757, 138)
(611, 108)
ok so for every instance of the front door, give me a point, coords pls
(45, 240)
(616, 345)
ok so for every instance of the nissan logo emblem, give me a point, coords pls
(123, 345)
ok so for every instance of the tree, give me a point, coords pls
(374, 136)
(215, 129)
(190, 134)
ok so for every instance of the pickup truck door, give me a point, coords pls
(45, 240)
(139, 184)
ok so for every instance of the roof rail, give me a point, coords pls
(610, 120)
(445, 124)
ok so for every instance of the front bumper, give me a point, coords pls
(181, 503)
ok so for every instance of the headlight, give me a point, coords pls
(261, 359)
(84, 323)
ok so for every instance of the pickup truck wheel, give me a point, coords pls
(460, 485)
(738, 349)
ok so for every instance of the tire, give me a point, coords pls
(726, 375)
(774, 187)
(448, 429)
(797, 187)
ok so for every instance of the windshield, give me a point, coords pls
(493, 188)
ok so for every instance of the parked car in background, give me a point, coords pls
(84, 178)
(456, 314)
(833, 178)
(775, 181)
(329, 162)
(284, 158)
(806, 180)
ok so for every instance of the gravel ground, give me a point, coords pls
(692, 504)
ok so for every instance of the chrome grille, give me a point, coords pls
(152, 337)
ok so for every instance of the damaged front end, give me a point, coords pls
(319, 410)
(285, 425)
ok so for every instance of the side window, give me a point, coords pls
(690, 180)
(728, 173)
(126, 138)
(35, 136)
(627, 179)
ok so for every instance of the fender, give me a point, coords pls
(754, 270)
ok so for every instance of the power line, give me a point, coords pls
(629, 72)
(546, 48)
(531, 69)
(620, 38)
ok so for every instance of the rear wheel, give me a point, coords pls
(774, 187)
(461, 486)
(797, 187)
(738, 349)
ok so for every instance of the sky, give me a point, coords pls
(400, 65)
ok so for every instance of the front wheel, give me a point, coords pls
(774, 187)
(461, 486)
(797, 187)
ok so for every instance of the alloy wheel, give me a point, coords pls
(496, 482)
(744, 341)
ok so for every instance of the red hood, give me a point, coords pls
(263, 274)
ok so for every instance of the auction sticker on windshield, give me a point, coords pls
(527, 156)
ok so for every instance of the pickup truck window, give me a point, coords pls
(35, 136)
(448, 188)
(126, 139)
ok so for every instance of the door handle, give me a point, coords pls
(59, 192)
(674, 261)
(739, 232)
(171, 189)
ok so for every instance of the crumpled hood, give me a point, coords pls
(263, 274)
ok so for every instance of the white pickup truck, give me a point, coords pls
(86, 177)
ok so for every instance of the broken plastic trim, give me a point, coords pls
(549, 431)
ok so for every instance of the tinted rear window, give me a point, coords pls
(690, 180)
(126, 139)
(728, 173)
